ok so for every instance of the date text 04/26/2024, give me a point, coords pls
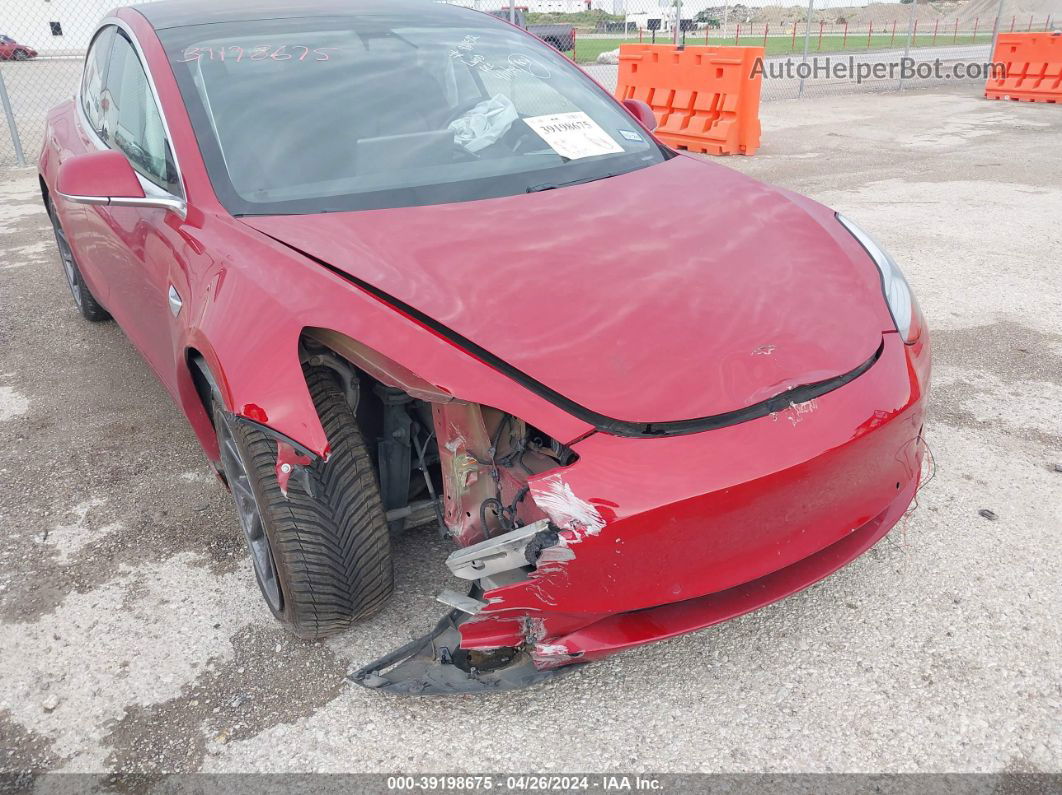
(525, 783)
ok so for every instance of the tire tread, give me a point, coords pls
(332, 549)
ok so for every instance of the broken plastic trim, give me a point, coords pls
(298, 448)
(609, 425)
(426, 666)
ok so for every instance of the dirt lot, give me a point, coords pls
(132, 637)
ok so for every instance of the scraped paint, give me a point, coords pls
(564, 508)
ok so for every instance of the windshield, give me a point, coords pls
(390, 110)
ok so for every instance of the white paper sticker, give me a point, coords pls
(573, 135)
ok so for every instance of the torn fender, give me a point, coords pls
(247, 316)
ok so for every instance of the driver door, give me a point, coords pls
(143, 245)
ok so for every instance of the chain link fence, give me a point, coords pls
(814, 48)
(811, 49)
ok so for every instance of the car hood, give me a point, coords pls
(678, 291)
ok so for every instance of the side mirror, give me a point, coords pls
(642, 112)
(107, 177)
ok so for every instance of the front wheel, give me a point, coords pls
(322, 553)
(21, 55)
(84, 300)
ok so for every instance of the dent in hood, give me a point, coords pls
(683, 290)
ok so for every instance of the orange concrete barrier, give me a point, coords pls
(706, 99)
(1034, 68)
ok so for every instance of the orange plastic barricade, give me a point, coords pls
(1034, 68)
(706, 99)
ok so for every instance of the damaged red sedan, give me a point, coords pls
(401, 263)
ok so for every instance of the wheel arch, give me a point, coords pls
(202, 374)
(196, 383)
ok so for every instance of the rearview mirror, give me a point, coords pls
(107, 177)
(642, 112)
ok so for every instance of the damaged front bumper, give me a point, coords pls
(649, 539)
(436, 665)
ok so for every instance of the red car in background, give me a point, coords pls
(11, 50)
(401, 263)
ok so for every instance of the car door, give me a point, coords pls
(140, 245)
(87, 232)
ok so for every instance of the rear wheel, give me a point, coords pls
(84, 300)
(321, 554)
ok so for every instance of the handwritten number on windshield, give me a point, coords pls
(260, 52)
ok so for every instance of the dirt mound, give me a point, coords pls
(1039, 10)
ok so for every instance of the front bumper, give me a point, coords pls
(659, 537)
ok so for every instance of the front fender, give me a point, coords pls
(246, 315)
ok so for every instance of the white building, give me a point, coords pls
(534, 6)
(554, 6)
(654, 8)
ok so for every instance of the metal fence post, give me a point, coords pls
(807, 33)
(995, 27)
(20, 158)
(678, 20)
(910, 34)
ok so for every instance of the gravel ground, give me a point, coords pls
(132, 636)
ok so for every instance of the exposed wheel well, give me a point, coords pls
(202, 378)
(406, 423)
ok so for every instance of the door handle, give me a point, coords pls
(175, 301)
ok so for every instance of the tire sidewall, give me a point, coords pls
(240, 434)
(75, 289)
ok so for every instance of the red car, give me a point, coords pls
(11, 50)
(402, 263)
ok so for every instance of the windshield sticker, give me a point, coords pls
(513, 65)
(631, 135)
(573, 135)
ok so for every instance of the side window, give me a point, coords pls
(131, 120)
(92, 79)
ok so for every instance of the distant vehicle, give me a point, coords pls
(559, 37)
(11, 50)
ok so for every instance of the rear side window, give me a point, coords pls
(131, 120)
(92, 80)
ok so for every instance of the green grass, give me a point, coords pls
(587, 50)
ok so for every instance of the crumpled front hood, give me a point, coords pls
(680, 291)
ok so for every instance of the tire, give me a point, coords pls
(21, 55)
(84, 300)
(322, 557)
